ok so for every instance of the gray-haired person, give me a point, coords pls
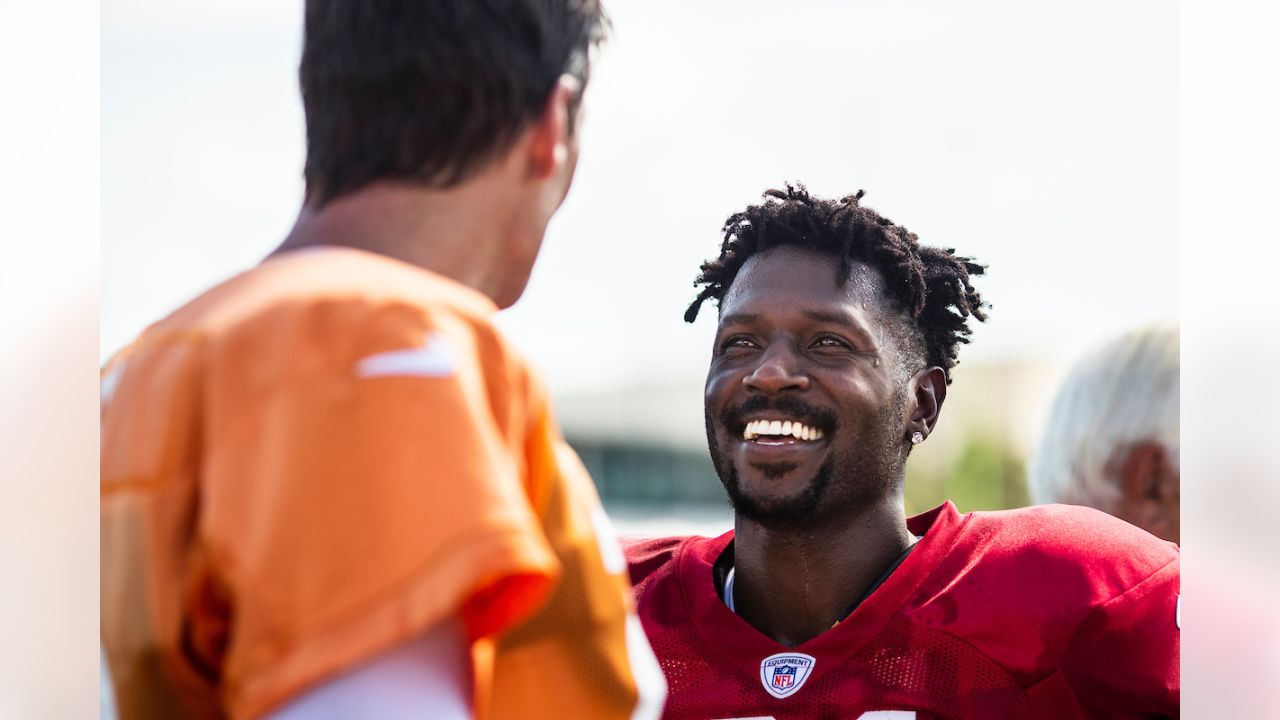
(1111, 441)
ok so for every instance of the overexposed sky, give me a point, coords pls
(1040, 138)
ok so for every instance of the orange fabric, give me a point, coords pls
(323, 457)
(531, 656)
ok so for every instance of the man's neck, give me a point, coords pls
(794, 584)
(467, 233)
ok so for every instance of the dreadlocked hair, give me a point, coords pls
(929, 284)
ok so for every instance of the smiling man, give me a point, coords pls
(837, 334)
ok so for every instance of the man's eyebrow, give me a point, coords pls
(844, 320)
(835, 318)
(739, 319)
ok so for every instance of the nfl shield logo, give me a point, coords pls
(783, 674)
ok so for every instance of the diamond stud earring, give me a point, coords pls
(917, 438)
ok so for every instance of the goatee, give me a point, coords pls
(793, 511)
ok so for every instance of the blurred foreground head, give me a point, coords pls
(1111, 441)
(443, 132)
(429, 91)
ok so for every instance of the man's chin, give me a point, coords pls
(775, 474)
(772, 498)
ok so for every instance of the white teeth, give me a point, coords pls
(780, 428)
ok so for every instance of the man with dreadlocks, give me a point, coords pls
(837, 334)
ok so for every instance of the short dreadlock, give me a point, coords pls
(930, 284)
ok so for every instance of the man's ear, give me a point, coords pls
(549, 136)
(929, 390)
(1149, 490)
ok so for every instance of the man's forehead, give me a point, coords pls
(795, 274)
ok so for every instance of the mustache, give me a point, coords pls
(735, 416)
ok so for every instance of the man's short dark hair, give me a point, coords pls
(929, 285)
(429, 90)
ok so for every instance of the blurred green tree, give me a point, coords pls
(985, 475)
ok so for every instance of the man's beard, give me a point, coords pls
(863, 481)
(782, 512)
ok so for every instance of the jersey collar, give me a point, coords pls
(742, 644)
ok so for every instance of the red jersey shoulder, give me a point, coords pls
(1113, 553)
(648, 556)
(1059, 559)
(1036, 574)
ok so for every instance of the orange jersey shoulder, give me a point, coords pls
(310, 463)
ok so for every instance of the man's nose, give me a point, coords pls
(778, 370)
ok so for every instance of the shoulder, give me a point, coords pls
(330, 287)
(339, 329)
(1096, 596)
(1056, 545)
(321, 312)
(1020, 584)
(663, 568)
(669, 576)
(649, 556)
(1075, 541)
(362, 295)
(671, 560)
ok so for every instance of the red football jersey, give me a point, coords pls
(1044, 612)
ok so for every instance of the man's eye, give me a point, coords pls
(830, 341)
(737, 341)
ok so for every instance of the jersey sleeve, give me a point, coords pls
(584, 653)
(360, 490)
(1124, 660)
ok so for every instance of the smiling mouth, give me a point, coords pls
(780, 432)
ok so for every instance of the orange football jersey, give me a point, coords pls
(325, 456)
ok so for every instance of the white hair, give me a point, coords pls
(1122, 394)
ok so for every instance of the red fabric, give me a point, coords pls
(1045, 612)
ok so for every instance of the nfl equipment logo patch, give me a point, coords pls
(785, 673)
